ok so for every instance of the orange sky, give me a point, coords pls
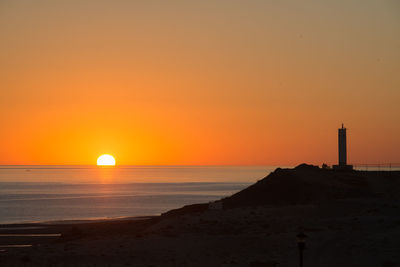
(198, 82)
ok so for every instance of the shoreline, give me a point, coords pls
(42, 224)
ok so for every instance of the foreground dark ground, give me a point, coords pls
(351, 219)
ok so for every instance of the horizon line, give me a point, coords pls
(92, 166)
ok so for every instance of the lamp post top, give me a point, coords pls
(301, 237)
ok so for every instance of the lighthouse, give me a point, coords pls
(342, 150)
(342, 146)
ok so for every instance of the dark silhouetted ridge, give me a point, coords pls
(307, 184)
(301, 185)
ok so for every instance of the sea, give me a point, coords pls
(75, 193)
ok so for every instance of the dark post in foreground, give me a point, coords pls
(301, 242)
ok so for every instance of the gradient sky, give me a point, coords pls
(198, 82)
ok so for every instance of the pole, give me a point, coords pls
(301, 249)
(301, 258)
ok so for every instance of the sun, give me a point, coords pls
(106, 160)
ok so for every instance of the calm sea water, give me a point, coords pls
(52, 193)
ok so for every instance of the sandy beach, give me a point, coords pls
(357, 226)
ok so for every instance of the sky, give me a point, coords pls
(223, 82)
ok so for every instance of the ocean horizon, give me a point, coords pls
(91, 192)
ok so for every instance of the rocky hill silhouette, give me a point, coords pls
(304, 184)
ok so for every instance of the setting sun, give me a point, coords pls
(105, 160)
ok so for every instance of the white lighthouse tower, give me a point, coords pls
(342, 150)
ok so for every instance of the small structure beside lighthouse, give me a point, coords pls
(342, 150)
